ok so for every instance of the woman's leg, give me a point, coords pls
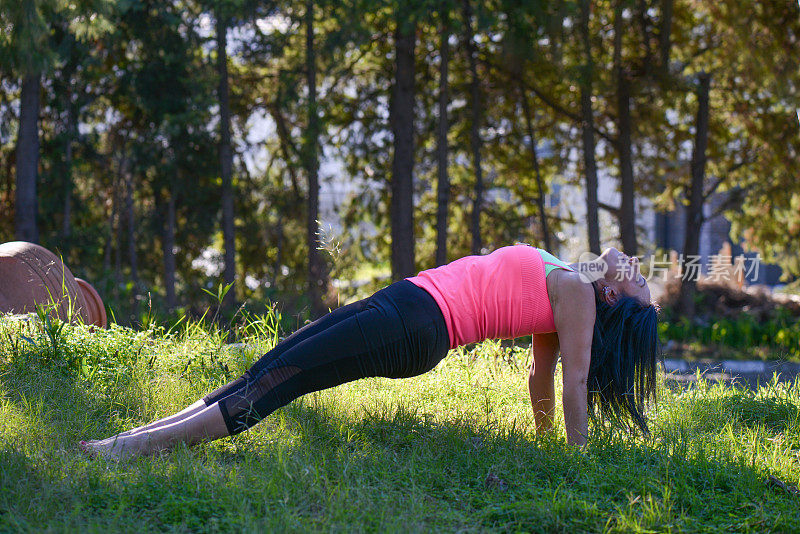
(400, 333)
(307, 331)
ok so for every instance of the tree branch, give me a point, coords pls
(721, 178)
(735, 197)
(713, 187)
(609, 208)
(286, 145)
(549, 102)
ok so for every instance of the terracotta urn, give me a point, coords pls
(31, 275)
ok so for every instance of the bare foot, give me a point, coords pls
(189, 428)
(115, 448)
(94, 447)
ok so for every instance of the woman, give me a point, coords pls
(604, 327)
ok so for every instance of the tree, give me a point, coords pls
(401, 118)
(526, 111)
(524, 56)
(28, 159)
(225, 155)
(29, 39)
(587, 127)
(29, 53)
(475, 125)
(627, 208)
(757, 71)
(166, 212)
(697, 186)
(744, 160)
(317, 278)
(442, 128)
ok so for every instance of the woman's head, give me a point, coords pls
(625, 347)
(621, 278)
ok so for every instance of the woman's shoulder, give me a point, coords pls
(570, 289)
(573, 303)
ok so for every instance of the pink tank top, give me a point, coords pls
(500, 295)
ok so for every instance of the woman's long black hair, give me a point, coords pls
(625, 351)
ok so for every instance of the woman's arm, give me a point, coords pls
(544, 352)
(574, 312)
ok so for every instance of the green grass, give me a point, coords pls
(451, 450)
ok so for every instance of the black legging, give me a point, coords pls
(398, 332)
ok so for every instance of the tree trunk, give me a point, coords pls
(401, 116)
(475, 124)
(587, 126)
(8, 175)
(110, 225)
(627, 211)
(167, 214)
(555, 31)
(627, 188)
(442, 127)
(641, 14)
(226, 161)
(116, 228)
(317, 283)
(131, 217)
(694, 211)
(664, 42)
(28, 160)
(287, 147)
(66, 223)
(279, 241)
(535, 158)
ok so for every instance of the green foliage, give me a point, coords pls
(129, 93)
(780, 334)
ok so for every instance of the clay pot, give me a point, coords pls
(31, 275)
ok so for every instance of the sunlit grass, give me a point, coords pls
(453, 449)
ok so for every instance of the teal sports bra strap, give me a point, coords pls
(551, 262)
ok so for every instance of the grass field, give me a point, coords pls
(452, 450)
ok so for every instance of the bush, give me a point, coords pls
(781, 332)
